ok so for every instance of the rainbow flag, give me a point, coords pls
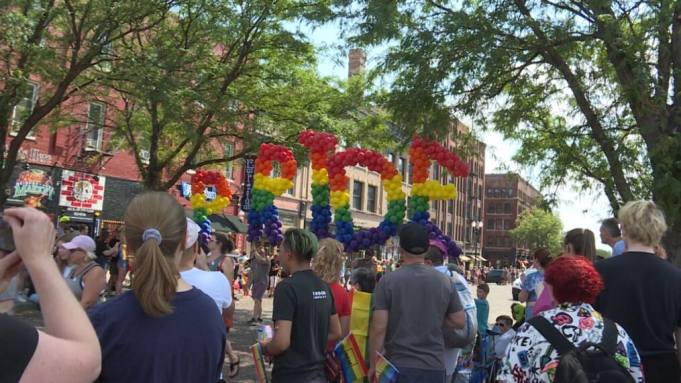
(259, 362)
(351, 359)
(360, 321)
(385, 371)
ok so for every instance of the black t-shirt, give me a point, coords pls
(307, 301)
(643, 294)
(274, 268)
(112, 243)
(18, 342)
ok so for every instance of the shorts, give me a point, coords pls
(273, 281)
(123, 264)
(417, 375)
(10, 292)
(258, 290)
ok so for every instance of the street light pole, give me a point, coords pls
(476, 228)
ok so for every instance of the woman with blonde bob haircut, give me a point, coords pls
(643, 292)
(140, 330)
(642, 224)
(328, 265)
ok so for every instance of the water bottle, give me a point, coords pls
(262, 334)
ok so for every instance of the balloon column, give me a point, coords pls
(420, 154)
(320, 144)
(201, 206)
(263, 219)
(340, 198)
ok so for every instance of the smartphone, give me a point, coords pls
(6, 237)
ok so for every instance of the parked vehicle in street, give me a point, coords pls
(496, 276)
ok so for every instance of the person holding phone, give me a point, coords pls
(67, 349)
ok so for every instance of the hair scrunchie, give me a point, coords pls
(152, 234)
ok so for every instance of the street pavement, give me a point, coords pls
(243, 336)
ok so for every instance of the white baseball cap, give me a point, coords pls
(192, 233)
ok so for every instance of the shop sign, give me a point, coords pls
(34, 183)
(82, 191)
(34, 155)
(249, 178)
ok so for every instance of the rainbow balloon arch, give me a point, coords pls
(329, 191)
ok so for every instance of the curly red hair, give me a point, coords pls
(573, 279)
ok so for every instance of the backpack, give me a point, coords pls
(460, 338)
(588, 362)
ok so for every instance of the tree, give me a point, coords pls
(217, 72)
(603, 253)
(539, 228)
(63, 45)
(590, 89)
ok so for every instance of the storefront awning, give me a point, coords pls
(224, 223)
(465, 258)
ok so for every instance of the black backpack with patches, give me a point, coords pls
(588, 362)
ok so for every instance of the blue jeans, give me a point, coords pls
(416, 375)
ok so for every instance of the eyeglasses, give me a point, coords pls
(501, 324)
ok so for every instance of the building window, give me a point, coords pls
(490, 208)
(480, 192)
(507, 224)
(449, 229)
(402, 167)
(497, 241)
(510, 193)
(95, 126)
(490, 224)
(489, 192)
(496, 193)
(28, 96)
(507, 242)
(411, 173)
(507, 208)
(451, 206)
(391, 158)
(436, 205)
(357, 194)
(371, 199)
(292, 190)
(229, 165)
(490, 241)
(479, 213)
(503, 193)
(498, 223)
(499, 208)
(436, 172)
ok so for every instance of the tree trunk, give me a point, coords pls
(672, 244)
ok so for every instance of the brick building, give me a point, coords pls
(506, 197)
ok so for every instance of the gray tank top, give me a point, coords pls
(75, 282)
(216, 263)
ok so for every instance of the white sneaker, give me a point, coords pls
(20, 298)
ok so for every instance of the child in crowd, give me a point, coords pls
(483, 308)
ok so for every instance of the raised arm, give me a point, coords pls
(68, 350)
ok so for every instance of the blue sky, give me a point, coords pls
(576, 209)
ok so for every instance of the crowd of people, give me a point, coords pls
(617, 319)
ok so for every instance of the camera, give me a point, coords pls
(6, 237)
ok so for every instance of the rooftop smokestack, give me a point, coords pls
(357, 60)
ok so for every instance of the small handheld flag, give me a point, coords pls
(259, 362)
(351, 359)
(385, 371)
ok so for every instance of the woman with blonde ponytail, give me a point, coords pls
(164, 330)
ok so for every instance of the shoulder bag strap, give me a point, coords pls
(552, 335)
(609, 341)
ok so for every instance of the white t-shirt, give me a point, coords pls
(502, 343)
(212, 283)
